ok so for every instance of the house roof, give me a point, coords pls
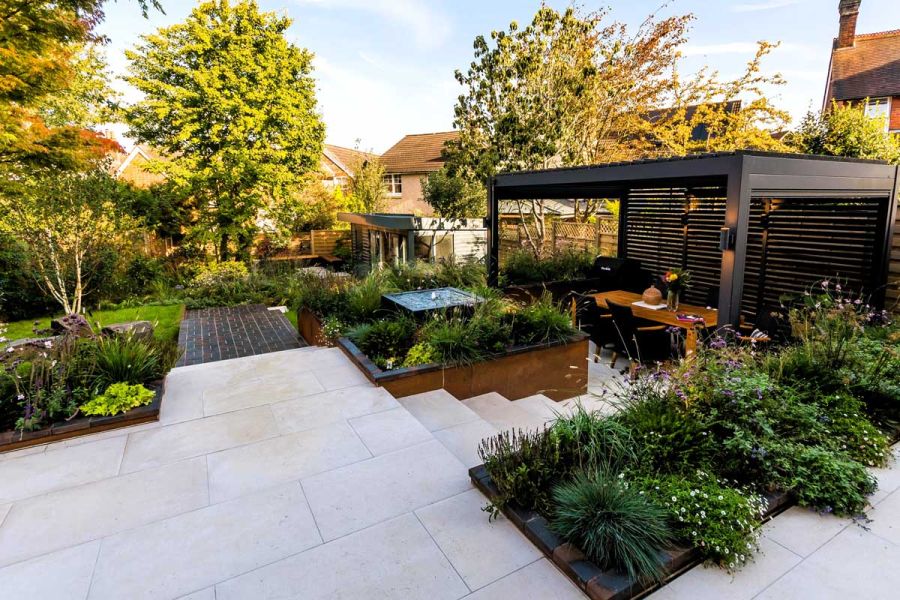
(121, 161)
(417, 153)
(346, 158)
(869, 68)
(700, 132)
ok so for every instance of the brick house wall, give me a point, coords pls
(411, 201)
(137, 174)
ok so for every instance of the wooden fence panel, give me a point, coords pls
(893, 292)
(324, 242)
(601, 237)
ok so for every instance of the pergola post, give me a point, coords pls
(734, 242)
(493, 234)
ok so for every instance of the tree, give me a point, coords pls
(846, 130)
(232, 103)
(65, 220)
(313, 206)
(454, 196)
(573, 89)
(368, 194)
(88, 100)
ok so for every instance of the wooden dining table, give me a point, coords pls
(664, 316)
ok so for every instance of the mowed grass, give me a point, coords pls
(166, 320)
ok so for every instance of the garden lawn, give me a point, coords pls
(166, 320)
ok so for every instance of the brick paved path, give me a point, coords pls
(212, 334)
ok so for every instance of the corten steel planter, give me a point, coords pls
(310, 328)
(13, 440)
(558, 370)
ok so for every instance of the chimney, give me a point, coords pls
(849, 11)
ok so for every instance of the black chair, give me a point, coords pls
(712, 297)
(638, 339)
(593, 320)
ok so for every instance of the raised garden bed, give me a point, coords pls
(558, 370)
(310, 328)
(597, 583)
(79, 426)
(558, 289)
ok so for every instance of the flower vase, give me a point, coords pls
(672, 299)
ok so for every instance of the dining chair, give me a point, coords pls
(593, 320)
(638, 339)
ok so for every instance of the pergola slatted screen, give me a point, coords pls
(677, 228)
(795, 242)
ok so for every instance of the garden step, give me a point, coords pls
(504, 414)
(589, 402)
(438, 409)
(540, 405)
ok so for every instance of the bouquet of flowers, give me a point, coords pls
(676, 280)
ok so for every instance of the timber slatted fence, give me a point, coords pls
(893, 292)
(601, 236)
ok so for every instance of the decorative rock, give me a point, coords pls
(139, 329)
(652, 296)
(74, 324)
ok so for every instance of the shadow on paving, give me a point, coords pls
(211, 334)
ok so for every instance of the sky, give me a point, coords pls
(384, 68)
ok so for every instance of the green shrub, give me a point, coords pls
(523, 267)
(129, 359)
(422, 353)
(363, 299)
(542, 322)
(614, 525)
(524, 466)
(720, 521)
(220, 273)
(118, 398)
(827, 481)
(452, 341)
(591, 441)
(385, 342)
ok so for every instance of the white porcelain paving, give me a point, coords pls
(217, 542)
(438, 409)
(365, 493)
(396, 559)
(538, 581)
(389, 430)
(245, 469)
(303, 485)
(63, 575)
(482, 553)
(43, 472)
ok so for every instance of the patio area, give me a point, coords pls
(287, 475)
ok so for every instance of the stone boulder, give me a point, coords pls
(76, 325)
(139, 329)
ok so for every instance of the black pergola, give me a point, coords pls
(756, 225)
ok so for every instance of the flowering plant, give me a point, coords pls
(676, 280)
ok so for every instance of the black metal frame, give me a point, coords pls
(746, 175)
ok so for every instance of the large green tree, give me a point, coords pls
(232, 103)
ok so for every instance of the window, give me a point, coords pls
(393, 183)
(879, 108)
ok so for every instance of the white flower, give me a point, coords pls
(674, 499)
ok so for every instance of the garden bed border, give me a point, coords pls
(15, 440)
(463, 382)
(585, 574)
(310, 328)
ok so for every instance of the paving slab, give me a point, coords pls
(885, 518)
(62, 575)
(256, 392)
(538, 581)
(340, 376)
(438, 409)
(87, 512)
(463, 440)
(714, 583)
(365, 493)
(249, 468)
(389, 430)
(313, 411)
(803, 531)
(168, 444)
(197, 549)
(481, 550)
(854, 564)
(34, 474)
(207, 594)
(395, 559)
